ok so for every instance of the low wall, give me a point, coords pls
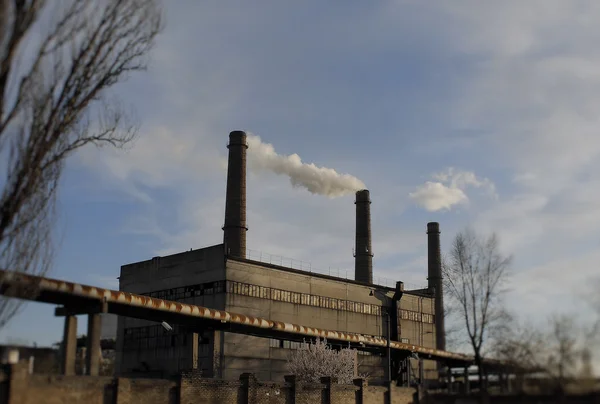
(17, 386)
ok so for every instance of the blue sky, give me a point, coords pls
(486, 114)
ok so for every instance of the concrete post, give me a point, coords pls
(328, 381)
(249, 388)
(69, 346)
(93, 350)
(360, 393)
(291, 380)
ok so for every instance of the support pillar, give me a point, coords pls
(467, 382)
(69, 346)
(92, 357)
(449, 378)
(502, 378)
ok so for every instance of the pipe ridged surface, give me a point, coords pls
(363, 253)
(16, 282)
(234, 230)
(434, 281)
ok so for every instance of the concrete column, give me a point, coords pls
(502, 378)
(216, 348)
(69, 348)
(92, 357)
(194, 337)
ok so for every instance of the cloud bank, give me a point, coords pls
(449, 189)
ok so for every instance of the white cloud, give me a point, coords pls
(449, 189)
(434, 196)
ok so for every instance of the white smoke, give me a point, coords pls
(317, 180)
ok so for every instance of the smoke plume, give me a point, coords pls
(317, 180)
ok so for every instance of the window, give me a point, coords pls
(276, 294)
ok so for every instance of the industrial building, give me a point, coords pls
(223, 277)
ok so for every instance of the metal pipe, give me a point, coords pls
(388, 348)
(19, 285)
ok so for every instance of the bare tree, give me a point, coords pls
(520, 347)
(55, 104)
(563, 351)
(560, 352)
(475, 273)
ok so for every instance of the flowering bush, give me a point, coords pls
(316, 360)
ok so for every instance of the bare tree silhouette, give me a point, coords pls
(57, 104)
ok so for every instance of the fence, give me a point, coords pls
(18, 386)
(260, 256)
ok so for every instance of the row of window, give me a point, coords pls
(263, 292)
(415, 316)
(185, 292)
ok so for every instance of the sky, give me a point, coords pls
(465, 113)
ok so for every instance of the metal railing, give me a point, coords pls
(260, 256)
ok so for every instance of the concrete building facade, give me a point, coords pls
(208, 277)
(222, 277)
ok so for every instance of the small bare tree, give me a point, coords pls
(520, 347)
(55, 104)
(563, 351)
(475, 273)
(560, 352)
(316, 360)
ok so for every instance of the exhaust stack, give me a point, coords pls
(434, 281)
(363, 254)
(234, 230)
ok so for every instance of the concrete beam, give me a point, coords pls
(69, 346)
(92, 358)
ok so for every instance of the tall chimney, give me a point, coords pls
(235, 229)
(363, 254)
(434, 280)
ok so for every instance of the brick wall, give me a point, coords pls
(191, 388)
